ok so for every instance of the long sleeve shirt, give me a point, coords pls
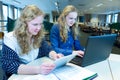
(11, 58)
(63, 47)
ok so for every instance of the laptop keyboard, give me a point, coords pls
(77, 60)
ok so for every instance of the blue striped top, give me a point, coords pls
(12, 58)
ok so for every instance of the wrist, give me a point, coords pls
(38, 70)
(52, 54)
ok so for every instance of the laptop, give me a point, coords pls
(98, 48)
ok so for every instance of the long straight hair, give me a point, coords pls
(62, 23)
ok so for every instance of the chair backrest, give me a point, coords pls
(1, 35)
(1, 40)
(47, 25)
(10, 24)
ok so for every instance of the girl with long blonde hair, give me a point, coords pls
(26, 43)
(64, 34)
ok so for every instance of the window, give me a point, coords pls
(19, 11)
(5, 12)
(4, 17)
(108, 18)
(114, 18)
(15, 13)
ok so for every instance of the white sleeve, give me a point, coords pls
(10, 41)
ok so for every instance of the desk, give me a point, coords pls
(108, 69)
(115, 66)
(105, 72)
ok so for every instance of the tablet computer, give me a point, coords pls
(64, 60)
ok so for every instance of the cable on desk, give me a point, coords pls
(110, 69)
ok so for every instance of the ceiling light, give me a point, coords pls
(16, 2)
(91, 8)
(56, 3)
(99, 4)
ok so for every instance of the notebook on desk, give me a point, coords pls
(98, 48)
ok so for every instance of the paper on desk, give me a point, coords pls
(68, 72)
(71, 72)
(41, 77)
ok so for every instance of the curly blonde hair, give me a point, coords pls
(62, 23)
(29, 13)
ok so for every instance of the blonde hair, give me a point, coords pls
(62, 23)
(29, 13)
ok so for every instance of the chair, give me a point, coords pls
(10, 24)
(47, 27)
(1, 39)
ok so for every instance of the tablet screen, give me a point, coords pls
(63, 60)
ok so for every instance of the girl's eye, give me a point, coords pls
(75, 19)
(71, 18)
(35, 24)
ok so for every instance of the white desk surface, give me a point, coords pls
(115, 66)
(108, 69)
(102, 68)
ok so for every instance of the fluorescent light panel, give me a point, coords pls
(99, 4)
(17, 2)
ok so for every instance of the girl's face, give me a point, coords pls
(35, 25)
(71, 18)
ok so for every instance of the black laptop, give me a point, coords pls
(98, 48)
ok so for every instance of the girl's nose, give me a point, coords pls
(39, 27)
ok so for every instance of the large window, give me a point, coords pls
(4, 17)
(108, 18)
(5, 12)
(19, 11)
(15, 13)
(115, 18)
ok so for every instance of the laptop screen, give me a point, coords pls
(98, 48)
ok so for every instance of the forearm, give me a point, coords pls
(27, 69)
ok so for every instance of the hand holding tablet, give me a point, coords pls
(63, 60)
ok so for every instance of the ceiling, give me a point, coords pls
(93, 6)
(84, 6)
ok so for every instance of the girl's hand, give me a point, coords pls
(58, 55)
(79, 53)
(53, 55)
(46, 68)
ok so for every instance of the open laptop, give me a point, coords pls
(98, 48)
